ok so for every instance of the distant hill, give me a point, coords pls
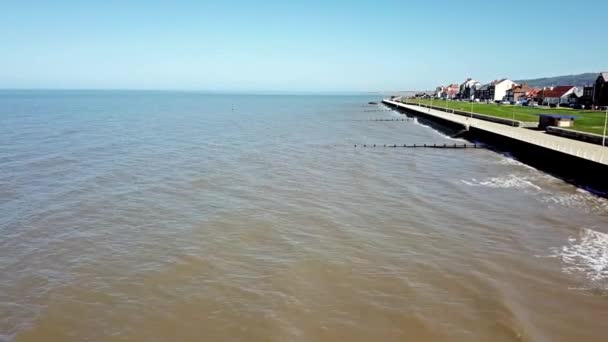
(574, 80)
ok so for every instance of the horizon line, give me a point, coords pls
(227, 92)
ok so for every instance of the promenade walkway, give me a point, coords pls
(580, 149)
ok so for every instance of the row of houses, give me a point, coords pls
(471, 89)
(590, 96)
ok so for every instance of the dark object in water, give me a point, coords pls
(372, 103)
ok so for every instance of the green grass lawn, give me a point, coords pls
(587, 121)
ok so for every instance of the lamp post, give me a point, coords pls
(542, 103)
(593, 97)
(472, 103)
(446, 101)
(513, 114)
(605, 123)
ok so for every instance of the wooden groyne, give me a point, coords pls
(443, 146)
(378, 120)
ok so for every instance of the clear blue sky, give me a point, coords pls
(328, 45)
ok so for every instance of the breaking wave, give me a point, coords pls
(507, 159)
(587, 254)
(504, 182)
(582, 199)
(553, 193)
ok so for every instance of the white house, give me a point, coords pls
(439, 91)
(498, 89)
(559, 95)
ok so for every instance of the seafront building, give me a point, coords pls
(559, 95)
(483, 92)
(498, 89)
(468, 88)
(518, 92)
(448, 92)
(595, 95)
(600, 92)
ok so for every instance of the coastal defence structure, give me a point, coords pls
(572, 160)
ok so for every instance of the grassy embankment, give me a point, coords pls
(587, 121)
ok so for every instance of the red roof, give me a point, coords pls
(558, 91)
(533, 92)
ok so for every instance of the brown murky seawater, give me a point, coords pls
(171, 217)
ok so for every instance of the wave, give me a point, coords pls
(582, 199)
(504, 182)
(508, 159)
(574, 198)
(587, 254)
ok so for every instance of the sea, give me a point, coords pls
(190, 216)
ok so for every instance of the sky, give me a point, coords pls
(293, 45)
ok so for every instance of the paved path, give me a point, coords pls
(596, 153)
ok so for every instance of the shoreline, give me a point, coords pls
(580, 163)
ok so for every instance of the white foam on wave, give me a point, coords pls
(504, 182)
(570, 197)
(437, 132)
(507, 159)
(582, 199)
(548, 189)
(585, 254)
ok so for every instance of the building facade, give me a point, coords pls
(483, 92)
(586, 99)
(498, 89)
(451, 91)
(467, 89)
(517, 92)
(558, 95)
(600, 93)
(439, 91)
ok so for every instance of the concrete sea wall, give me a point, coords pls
(577, 162)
